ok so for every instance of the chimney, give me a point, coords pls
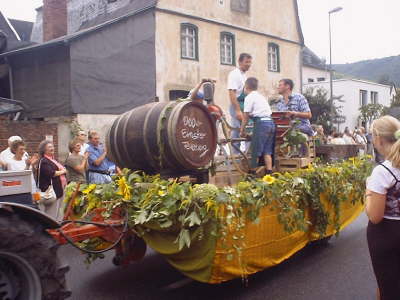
(55, 21)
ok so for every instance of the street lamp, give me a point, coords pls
(337, 9)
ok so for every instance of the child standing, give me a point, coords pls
(257, 108)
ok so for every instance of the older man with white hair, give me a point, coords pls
(6, 155)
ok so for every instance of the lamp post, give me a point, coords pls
(330, 56)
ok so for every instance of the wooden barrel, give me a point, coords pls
(173, 136)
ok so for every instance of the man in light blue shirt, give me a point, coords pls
(100, 167)
(296, 106)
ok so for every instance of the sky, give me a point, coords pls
(364, 29)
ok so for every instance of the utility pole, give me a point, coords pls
(330, 58)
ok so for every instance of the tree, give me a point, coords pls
(394, 106)
(370, 112)
(321, 108)
(385, 79)
(396, 100)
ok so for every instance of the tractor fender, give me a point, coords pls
(29, 212)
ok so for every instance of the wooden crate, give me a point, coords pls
(292, 164)
(311, 148)
(222, 179)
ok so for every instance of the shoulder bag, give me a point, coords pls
(47, 197)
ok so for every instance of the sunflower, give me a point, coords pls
(123, 188)
(89, 188)
(269, 179)
(161, 193)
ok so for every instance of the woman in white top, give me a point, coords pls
(18, 162)
(383, 208)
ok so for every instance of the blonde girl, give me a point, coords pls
(383, 208)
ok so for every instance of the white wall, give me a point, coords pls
(350, 89)
(313, 73)
(99, 123)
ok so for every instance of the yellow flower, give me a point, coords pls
(161, 193)
(333, 170)
(269, 179)
(184, 202)
(124, 189)
(209, 204)
(310, 168)
(90, 188)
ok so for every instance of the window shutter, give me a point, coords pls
(278, 58)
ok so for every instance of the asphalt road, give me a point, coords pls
(341, 270)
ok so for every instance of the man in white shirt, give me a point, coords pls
(360, 140)
(256, 107)
(6, 155)
(236, 80)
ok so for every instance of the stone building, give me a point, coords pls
(95, 59)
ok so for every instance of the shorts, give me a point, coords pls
(264, 138)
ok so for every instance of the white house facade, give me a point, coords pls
(355, 94)
(314, 69)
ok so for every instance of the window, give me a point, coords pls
(273, 57)
(363, 97)
(189, 41)
(319, 79)
(240, 6)
(178, 94)
(310, 80)
(227, 48)
(374, 97)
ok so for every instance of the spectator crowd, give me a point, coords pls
(86, 162)
(358, 136)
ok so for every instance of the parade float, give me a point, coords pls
(216, 228)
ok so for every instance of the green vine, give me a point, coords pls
(160, 141)
(75, 127)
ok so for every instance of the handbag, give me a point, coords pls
(47, 197)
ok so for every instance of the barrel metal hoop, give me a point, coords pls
(124, 128)
(160, 141)
(152, 162)
(109, 147)
(159, 124)
(115, 140)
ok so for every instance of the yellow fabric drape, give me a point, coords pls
(265, 244)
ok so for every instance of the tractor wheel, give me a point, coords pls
(29, 266)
